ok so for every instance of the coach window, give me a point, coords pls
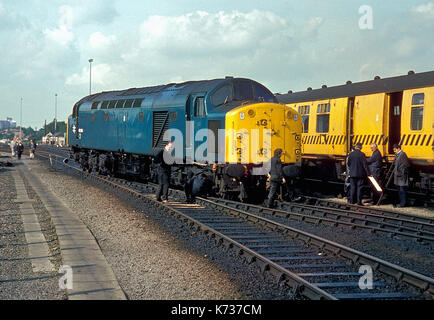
(199, 108)
(221, 95)
(120, 104)
(104, 105)
(417, 111)
(112, 104)
(323, 118)
(305, 119)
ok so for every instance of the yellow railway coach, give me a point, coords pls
(384, 111)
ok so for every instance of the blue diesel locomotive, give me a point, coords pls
(119, 132)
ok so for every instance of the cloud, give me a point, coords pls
(63, 33)
(200, 31)
(98, 40)
(100, 75)
(425, 9)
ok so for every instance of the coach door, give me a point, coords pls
(395, 108)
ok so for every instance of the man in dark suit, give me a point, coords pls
(375, 163)
(276, 176)
(358, 168)
(163, 171)
(196, 187)
(400, 177)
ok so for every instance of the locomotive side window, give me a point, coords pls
(199, 108)
(137, 103)
(120, 104)
(95, 105)
(128, 103)
(323, 118)
(219, 97)
(417, 111)
(104, 105)
(112, 104)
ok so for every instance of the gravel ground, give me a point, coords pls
(17, 279)
(155, 256)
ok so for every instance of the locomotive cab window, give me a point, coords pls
(323, 118)
(219, 97)
(199, 108)
(243, 91)
(262, 94)
(417, 111)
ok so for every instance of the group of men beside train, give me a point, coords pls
(359, 168)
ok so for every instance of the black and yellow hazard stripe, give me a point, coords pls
(324, 139)
(417, 140)
(367, 139)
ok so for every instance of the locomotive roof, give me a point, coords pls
(393, 84)
(171, 91)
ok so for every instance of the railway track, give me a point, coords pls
(381, 221)
(335, 187)
(318, 202)
(313, 267)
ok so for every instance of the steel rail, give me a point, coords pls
(333, 217)
(366, 209)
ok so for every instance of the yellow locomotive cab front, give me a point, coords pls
(254, 131)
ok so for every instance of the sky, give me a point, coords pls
(286, 45)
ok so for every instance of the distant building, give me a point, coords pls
(9, 123)
(4, 124)
(57, 139)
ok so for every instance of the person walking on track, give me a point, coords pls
(276, 176)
